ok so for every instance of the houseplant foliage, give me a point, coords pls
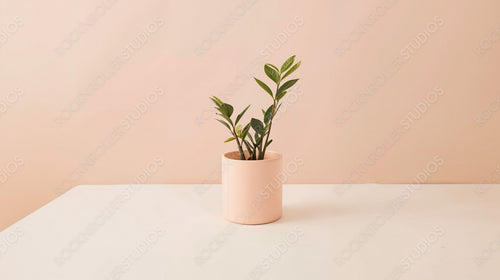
(257, 144)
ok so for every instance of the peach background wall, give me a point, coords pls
(116, 91)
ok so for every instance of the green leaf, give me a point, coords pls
(224, 123)
(284, 87)
(226, 118)
(291, 70)
(246, 129)
(238, 130)
(282, 94)
(274, 67)
(287, 64)
(241, 115)
(264, 86)
(228, 109)
(257, 139)
(229, 139)
(220, 110)
(257, 125)
(272, 73)
(268, 114)
(216, 100)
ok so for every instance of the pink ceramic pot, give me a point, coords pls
(252, 189)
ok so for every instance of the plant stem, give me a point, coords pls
(240, 150)
(249, 149)
(262, 154)
(260, 147)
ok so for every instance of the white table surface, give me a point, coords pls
(177, 232)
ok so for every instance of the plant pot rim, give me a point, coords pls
(274, 157)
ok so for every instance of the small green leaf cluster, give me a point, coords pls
(257, 144)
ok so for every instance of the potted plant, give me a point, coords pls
(251, 184)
